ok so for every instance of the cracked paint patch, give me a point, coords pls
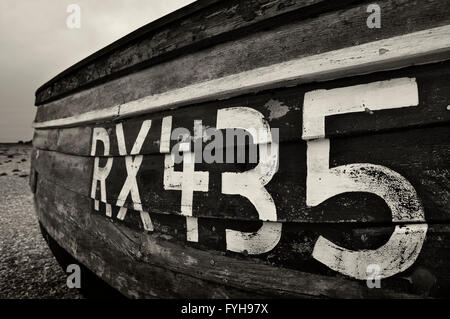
(276, 109)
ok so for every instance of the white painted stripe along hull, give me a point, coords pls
(421, 47)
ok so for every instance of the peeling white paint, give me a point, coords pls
(100, 134)
(250, 184)
(132, 164)
(277, 109)
(382, 95)
(145, 218)
(146, 221)
(188, 181)
(397, 255)
(166, 132)
(100, 173)
(139, 142)
(323, 182)
(108, 210)
(130, 186)
(192, 229)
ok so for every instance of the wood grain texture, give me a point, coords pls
(258, 51)
(140, 264)
(281, 108)
(72, 172)
(420, 155)
(188, 30)
(121, 208)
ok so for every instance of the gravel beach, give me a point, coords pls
(27, 266)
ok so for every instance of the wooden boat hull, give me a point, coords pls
(348, 196)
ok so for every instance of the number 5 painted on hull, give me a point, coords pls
(323, 182)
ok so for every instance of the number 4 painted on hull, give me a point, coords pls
(323, 182)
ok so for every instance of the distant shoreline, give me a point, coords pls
(26, 143)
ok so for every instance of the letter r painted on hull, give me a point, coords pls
(322, 181)
(100, 174)
(132, 164)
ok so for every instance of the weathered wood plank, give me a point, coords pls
(130, 276)
(187, 30)
(226, 64)
(420, 155)
(71, 172)
(282, 109)
(133, 261)
(73, 140)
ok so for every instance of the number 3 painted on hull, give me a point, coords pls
(323, 182)
(251, 184)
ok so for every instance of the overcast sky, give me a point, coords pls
(36, 44)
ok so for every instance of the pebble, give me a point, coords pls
(28, 269)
